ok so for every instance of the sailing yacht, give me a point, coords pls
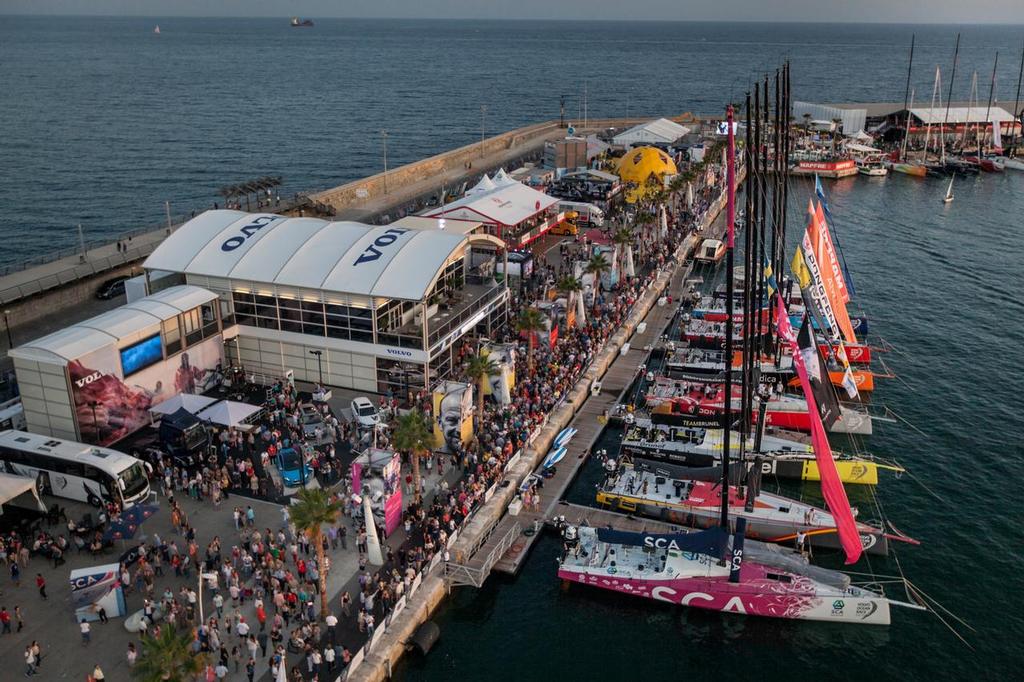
(948, 199)
(691, 569)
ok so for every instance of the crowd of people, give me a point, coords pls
(262, 585)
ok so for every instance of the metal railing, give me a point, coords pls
(464, 574)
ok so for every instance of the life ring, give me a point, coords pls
(528, 532)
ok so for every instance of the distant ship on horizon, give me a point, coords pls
(157, 30)
(301, 23)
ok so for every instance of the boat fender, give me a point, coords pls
(425, 637)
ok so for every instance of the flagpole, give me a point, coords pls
(730, 219)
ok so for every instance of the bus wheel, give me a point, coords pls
(94, 501)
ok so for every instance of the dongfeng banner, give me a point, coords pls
(109, 406)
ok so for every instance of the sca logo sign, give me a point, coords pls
(257, 224)
(373, 251)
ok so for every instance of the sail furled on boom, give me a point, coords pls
(831, 486)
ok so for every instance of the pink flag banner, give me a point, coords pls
(831, 486)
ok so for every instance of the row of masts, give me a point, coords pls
(766, 193)
(940, 141)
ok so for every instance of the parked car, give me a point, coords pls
(364, 413)
(112, 288)
(293, 469)
(310, 420)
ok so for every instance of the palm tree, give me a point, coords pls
(530, 321)
(480, 367)
(623, 239)
(414, 435)
(168, 657)
(574, 288)
(314, 510)
(597, 266)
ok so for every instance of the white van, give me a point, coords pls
(588, 214)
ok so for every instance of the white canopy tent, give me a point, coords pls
(190, 402)
(347, 257)
(228, 412)
(660, 131)
(19, 491)
(507, 204)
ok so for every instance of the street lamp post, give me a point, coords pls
(95, 427)
(483, 119)
(319, 364)
(384, 138)
(7, 325)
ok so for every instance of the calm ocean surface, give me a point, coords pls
(104, 121)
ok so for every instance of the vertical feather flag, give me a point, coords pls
(831, 486)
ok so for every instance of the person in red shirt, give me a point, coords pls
(41, 584)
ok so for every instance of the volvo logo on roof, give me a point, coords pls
(257, 224)
(373, 251)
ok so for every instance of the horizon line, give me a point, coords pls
(512, 19)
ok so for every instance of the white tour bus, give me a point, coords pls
(64, 468)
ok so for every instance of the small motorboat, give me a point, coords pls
(871, 168)
(1007, 162)
(948, 199)
(301, 23)
(710, 251)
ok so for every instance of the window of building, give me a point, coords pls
(172, 335)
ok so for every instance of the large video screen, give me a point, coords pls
(141, 355)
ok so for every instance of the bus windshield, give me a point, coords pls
(135, 481)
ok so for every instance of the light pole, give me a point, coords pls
(483, 118)
(7, 324)
(319, 364)
(384, 138)
(95, 427)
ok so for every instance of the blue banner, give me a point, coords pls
(712, 542)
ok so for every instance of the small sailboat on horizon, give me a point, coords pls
(948, 199)
(157, 30)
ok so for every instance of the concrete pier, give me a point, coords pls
(388, 645)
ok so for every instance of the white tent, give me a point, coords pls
(19, 491)
(483, 187)
(501, 179)
(190, 402)
(228, 412)
(660, 131)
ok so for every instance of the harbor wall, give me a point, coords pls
(389, 648)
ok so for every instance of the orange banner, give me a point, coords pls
(831, 265)
(814, 242)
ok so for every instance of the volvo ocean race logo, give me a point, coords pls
(402, 353)
(232, 243)
(84, 381)
(373, 251)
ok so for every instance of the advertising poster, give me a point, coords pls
(453, 415)
(95, 588)
(109, 406)
(392, 494)
(500, 384)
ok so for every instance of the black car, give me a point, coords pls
(112, 288)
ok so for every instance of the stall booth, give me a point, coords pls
(378, 473)
(96, 381)
(515, 213)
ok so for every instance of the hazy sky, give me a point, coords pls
(909, 11)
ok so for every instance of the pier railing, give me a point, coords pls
(474, 573)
